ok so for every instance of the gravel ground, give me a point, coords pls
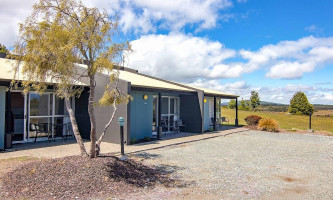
(250, 165)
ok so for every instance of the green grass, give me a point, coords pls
(285, 120)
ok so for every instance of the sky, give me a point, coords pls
(274, 47)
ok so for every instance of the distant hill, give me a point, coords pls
(263, 103)
(266, 103)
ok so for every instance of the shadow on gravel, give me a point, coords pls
(145, 155)
(140, 175)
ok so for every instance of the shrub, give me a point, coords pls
(268, 125)
(252, 119)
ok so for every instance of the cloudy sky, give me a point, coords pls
(274, 47)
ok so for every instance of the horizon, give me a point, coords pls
(235, 46)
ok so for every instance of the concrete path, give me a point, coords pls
(70, 148)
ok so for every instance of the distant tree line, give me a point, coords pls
(299, 105)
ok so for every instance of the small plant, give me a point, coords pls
(268, 125)
(252, 119)
(3, 49)
(133, 141)
(147, 139)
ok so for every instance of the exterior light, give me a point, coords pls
(121, 121)
(145, 97)
(205, 100)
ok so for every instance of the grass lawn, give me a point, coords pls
(286, 121)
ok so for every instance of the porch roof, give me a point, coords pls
(7, 73)
(211, 92)
(141, 80)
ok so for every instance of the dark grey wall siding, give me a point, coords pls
(103, 114)
(81, 114)
(190, 111)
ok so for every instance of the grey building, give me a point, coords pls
(158, 106)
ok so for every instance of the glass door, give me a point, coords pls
(17, 110)
(49, 113)
(40, 114)
(170, 112)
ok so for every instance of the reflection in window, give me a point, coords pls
(40, 104)
(59, 106)
(172, 106)
(165, 106)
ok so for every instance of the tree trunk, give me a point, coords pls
(92, 117)
(99, 141)
(75, 128)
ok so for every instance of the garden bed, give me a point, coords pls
(80, 178)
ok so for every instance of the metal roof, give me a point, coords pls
(7, 73)
(141, 80)
(211, 92)
(136, 79)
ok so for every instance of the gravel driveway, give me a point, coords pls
(250, 165)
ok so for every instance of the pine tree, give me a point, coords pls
(300, 105)
(255, 100)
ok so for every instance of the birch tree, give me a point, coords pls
(60, 33)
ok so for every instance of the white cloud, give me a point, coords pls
(290, 70)
(277, 94)
(13, 12)
(312, 28)
(182, 57)
(291, 59)
(145, 16)
(186, 58)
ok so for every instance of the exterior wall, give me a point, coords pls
(141, 115)
(103, 114)
(2, 116)
(191, 112)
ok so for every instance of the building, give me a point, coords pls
(157, 105)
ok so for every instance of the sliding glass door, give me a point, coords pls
(169, 112)
(49, 113)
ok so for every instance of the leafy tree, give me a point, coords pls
(232, 104)
(60, 33)
(300, 105)
(244, 105)
(255, 100)
(3, 49)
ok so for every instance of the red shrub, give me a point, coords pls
(252, 119)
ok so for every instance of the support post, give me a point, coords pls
(236, 120)
(122, 140)
(214, 123)
(310, 121)
(159, 117)
(121, 121)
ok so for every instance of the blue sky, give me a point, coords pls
(274, 47)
